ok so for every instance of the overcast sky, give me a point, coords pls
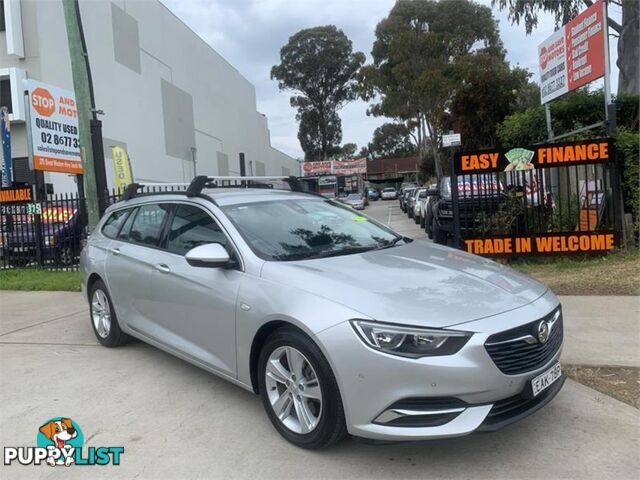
(250, 33)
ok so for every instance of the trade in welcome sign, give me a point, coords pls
(53, 118)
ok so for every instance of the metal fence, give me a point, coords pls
(529, 205)
(49, 234)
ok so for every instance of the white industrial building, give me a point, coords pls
(172, 101)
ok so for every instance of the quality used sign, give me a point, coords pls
(53, 118)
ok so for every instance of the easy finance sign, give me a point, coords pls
(574, 55)
(53, 118)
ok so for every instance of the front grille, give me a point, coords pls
(513, 354)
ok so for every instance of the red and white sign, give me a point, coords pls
(574, 55)
(329, 167)
(350, 167)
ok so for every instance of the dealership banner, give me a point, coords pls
(335, 167)
(574, 55)
(549, 243)
(537, 156)
(53, 119)
(121, 168)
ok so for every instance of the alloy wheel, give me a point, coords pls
(293, 390)
(101, 313)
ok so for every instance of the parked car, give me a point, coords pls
(62, 231)
(287, 295)
(425, 205)
(355, 201)
(420, 196)
(389, 193)
(373, 194)
(487, 195)
(404, 197)
(411, 200)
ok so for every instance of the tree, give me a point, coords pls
(319, 136)
(418, 61)
(628, 32)
(490, 90)
(391, 140)
(346, 152)
(320, 65)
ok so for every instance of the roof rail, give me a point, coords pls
(202, 181)
(131, 190)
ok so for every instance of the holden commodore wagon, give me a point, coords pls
(341, 325)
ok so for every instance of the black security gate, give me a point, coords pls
(544, 199)
(48, 234)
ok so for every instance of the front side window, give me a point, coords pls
(147, 226)
(303, 229)
(192, 227)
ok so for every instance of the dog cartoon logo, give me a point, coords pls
(62, 436)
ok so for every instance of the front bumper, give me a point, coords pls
(372, 383)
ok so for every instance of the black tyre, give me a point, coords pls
(66, 256)
(416, 220)
(103, 317)
(296, 381)
(439, 236)
(422, 222)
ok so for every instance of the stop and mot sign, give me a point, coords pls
(53, 118)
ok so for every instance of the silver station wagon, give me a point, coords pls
(341, 325)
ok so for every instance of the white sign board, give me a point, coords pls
(451, 140)
(574, 55)
(53, 118)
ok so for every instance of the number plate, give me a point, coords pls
(546, 379)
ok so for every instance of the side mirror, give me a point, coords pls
(432, 192)
(212, 255)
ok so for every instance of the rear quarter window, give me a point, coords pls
(114, 223)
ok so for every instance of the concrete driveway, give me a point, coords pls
(177, 421)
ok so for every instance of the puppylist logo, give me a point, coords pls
(60, 442)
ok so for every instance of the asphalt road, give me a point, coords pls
(177, 421)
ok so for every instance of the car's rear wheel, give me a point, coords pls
(299, 391)
(103, 317)
(422, 221)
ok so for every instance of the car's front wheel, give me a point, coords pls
(299, 390)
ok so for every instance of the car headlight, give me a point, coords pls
(50, 241)
(413, 342)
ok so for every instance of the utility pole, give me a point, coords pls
(84, 107)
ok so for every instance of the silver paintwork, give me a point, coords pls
(210, 316)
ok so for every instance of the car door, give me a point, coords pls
(130, 263)
(194, 308)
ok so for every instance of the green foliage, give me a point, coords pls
(320, 65)
(319, 136)
(34, 279)
(490, 90)
(347, 152)
(628, 143)
(391, 140)
(575, 110)
(420, 58)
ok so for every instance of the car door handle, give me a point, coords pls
(161, 267)
(115, 251)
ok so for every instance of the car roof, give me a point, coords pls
(223, 196)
